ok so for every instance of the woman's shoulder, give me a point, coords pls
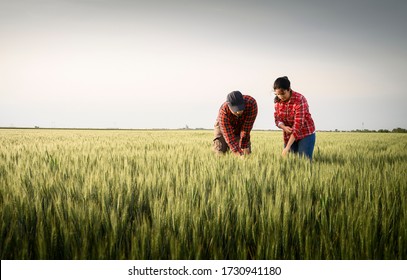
(297, 97)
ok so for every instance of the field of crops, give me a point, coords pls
(99, 194)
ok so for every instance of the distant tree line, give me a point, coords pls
(395, 130)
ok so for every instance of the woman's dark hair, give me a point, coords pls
(282, 83)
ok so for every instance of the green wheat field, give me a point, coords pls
(140, 194)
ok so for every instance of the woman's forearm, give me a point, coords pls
(287, 148)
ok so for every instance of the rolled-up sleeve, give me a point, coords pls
(277, 118)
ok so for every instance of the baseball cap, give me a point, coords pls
(235, 101)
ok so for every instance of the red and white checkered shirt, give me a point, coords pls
(232, 126)
(295, 114)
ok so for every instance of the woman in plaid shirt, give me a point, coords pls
(293, 117)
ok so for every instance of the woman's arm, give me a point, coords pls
(288, 146)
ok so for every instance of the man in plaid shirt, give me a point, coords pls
(234, 124)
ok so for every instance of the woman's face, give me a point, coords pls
(282, 94)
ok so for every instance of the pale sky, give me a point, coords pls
(167, 64)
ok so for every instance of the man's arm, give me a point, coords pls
(248, 125)
(227, 132)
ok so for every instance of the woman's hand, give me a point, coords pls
(285, 152)
(288, 130)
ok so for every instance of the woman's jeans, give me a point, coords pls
(305, 146)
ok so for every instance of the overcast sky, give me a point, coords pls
(167, 64)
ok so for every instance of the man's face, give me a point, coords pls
(238, 113)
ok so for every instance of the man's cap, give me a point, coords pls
(235, 101)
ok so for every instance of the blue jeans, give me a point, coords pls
(305, 146)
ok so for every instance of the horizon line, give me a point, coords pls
(183, 128)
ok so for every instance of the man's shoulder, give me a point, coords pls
(224, 109)
(223, 106)
(249, 99)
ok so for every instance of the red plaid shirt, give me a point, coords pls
(233, 127)
(295, 114)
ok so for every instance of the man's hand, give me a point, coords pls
(244, 154)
